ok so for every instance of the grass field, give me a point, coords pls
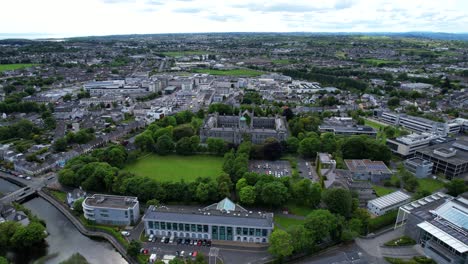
(298, 210)
(286, 222)
(380, 62)
(176, 168)
(373, 124)
(235, 72)
(10, 67)
(381, 191)
(184, 53)
(281, 61)
(430, 185)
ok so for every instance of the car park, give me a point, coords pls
(199, 243)
(166, 240)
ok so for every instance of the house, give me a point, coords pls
(74, 195)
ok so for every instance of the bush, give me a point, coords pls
(401, 241)
(382, 221)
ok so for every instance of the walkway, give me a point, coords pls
(122, 250)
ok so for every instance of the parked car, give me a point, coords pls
(179, 241)
(177, 253)
(166, 240)
(208, 243)
(28, 178)
(199, 243)
(163, 239)
(125, 233)
(193, 242)
(182, 253)
(171, 240)
(204, 242)
(150, 238)
(187, 241)
(21, 176)
(154, 239)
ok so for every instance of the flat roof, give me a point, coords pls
(111, 201)
(444, 237)
(366, 165)
(460, 157)
(390, 199)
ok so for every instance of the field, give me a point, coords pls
(380, 62)
(381, 191)
(9, 67)
(176, 168)
(373, 124)
(298, 210)
(430, 185)
(286, 222)
(235, 72)
(184, 53)
(281, 61)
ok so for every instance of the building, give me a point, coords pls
(439, 223)
(349, 130)
(386, 203)
(450, 159)
(233, 128)
(111, 209)
(115, 87)
(406, 146)
(74, 195)
(220, 221)
(419, 167)
(375, 171)
(418, 124)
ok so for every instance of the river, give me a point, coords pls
(64, 239)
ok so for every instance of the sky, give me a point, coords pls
(67, 18)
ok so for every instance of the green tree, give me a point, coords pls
(338, 201)
(456, 187)
(280, 244)
(184, 146)
(183, 131)
(308, 147)
(274, 194)
(133, 248)
(28, 236)
(67, 177)
(216, 146)
(145, 141)
(3, 260)
(272, 149)
(301, 238)
(241, 183)
(247, 195)
(60, 144)
(320, 223)
(78, 206)
(224, 185)
(393, 102)
(306, 193)
(329, 144)
(164, 145)
(292, 144)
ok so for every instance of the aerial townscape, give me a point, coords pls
(232, 148)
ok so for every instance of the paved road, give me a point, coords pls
(344, 254)
(30, 186)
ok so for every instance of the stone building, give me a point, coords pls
(234, 128)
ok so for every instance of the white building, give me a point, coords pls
(407, 145)
(111, 209)
(382, 205)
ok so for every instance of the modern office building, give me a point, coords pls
(111, 209)
(386, 203)
(439, 223)
(418, 124)
(450, 159)
(115, 87)
(220, 221)
(233, 128)
(375, 171)
(419, 167)
(349, 130)
(406, 146)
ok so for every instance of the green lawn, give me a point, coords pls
(380, 62)
(176, 168)
(430, 184)
(281, 61)
(184, 53)
(286, 222)
(373, 124)
(235, 72)
(381, 191)
(59, 195)
(10, 67)
(298, 210)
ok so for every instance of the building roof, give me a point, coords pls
(459, 157)
(367, 166)
(111, 201)
(444, 236)
(390, 199)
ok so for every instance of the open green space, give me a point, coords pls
(340, 55)
(59, 195)
(281, 61)
(380, 62)
(176, 168)
(430, 185)
(286, 222)
(381, 191)
(10, 67)
(298, 210)
(184, 53)
(234, 72)
(373, 124)
(401, 241)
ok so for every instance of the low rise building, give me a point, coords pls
(349, 130)
(439, 223)
(375, 171)
(220, 221)
(419, 167)
(406, 146)
(386, 203)
(418, 124)
(111, 209)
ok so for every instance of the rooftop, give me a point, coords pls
(367, 166)
(458, 158)
(390, 199)
(111, 201)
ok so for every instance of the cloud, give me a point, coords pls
(223, 18)
(118, 1)
(154, 2)
(190, 10)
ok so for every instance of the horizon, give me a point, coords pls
(125, 17)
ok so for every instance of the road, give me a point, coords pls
(30, 186)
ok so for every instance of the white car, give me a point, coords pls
(125, 233)
(150, 238)
(28, 178)
(182, 253)
(21, 176)
(162, 239)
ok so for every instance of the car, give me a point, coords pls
(162, 239)
(186, 241)
(144, 251)
(177, 253)
(182, 253)
(125, 233)
(179, 241)
(204, 242)
(171, 240)
(154, 239)
(194, 254)
(21, 176)
(208, 243)
(193, 243)
(28, 178)
(166, 240)
(199, 243)
(150, 238)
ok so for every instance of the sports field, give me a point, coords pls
(10, 67)
(176, 168)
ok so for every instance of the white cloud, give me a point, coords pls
(102, 17)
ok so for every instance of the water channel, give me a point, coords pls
(64, 239)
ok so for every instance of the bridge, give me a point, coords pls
(29, 187)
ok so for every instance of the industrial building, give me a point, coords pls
(439, 223)
(386, 203)
(111, 209)
(220, 221)
(450, 159)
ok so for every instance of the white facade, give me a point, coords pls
(111, 209)
(382, 205)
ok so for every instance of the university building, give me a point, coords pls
(220, 221)
(111, 209)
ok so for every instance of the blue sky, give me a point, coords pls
(65, 18)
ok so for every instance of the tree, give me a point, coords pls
(247, 195)
(292, 144)
(393, 102)
(241, 183)
(164, 145)
(183, 131)
(224, 185)
(274, 194)
(67, 177)
(60, 144)
(301, 238)
(288, 113)
(29, 235)
(456, 187)
(145, 141)
(133, 248)
(328, 142)
(280, 244)
(338, 201)
(271, 149)
(184, 146)
(307, 193)
(320, 224)
(78, 206)
(216, 146)
(3, 260)
(309, 147)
